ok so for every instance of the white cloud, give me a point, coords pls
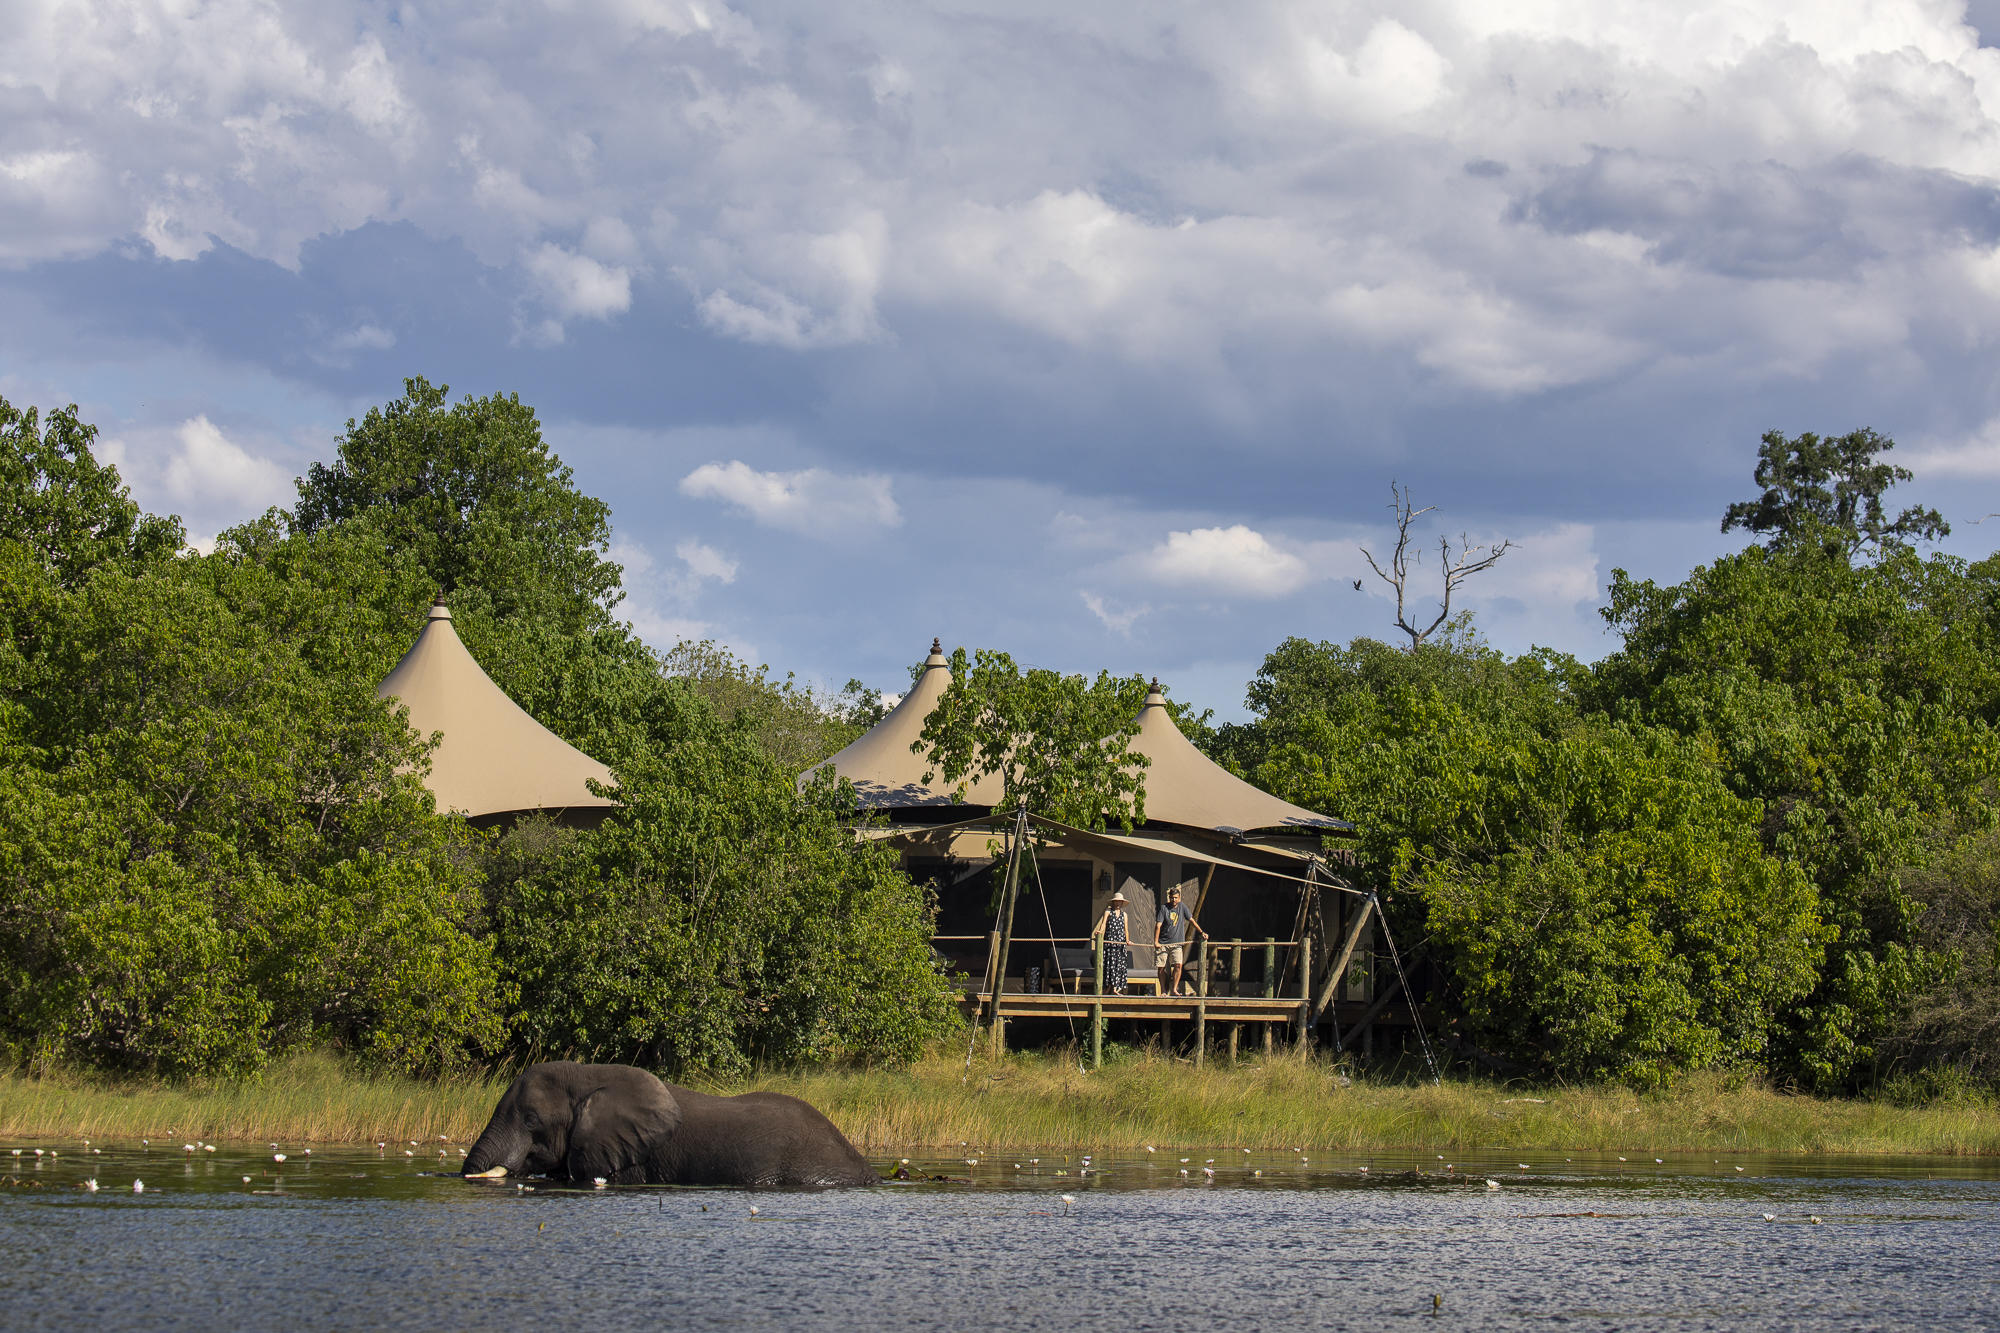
(365, 338)
(1975, 456)
(1550, 571)
(576, 286)
(663, 600)
(705, 562)
(1235, 559)
(1506, 197)
(199, 473)
(210, 471)
(812, 501)
(1118, 621)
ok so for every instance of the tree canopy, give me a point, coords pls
(1060, 744)
(215, 843)
(1830, 488)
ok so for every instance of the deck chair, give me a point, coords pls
(1074, 968)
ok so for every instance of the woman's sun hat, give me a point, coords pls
(1119, 896)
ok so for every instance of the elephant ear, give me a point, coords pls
(620, 1125)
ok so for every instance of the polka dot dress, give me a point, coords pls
(1117, 958)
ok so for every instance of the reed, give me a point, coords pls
(1039, 1100)
(316, 1098)
(1047, 1100)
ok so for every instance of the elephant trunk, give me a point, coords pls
(497, 1153)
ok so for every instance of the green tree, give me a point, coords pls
(1953, 1023)
(1594, 900)
(795, 725)
(1060, 744)
(68, 513)
(214, 848)
(471, 492)
(1856, 706)
(722, 917)
(1830, 488)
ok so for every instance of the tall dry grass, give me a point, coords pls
(306, 1099)
(1042, 1100)
(1038, 1100)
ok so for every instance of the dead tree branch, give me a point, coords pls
(1468, 561)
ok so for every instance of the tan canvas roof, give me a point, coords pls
(494, 758)
(886, 774)
(1184, 786)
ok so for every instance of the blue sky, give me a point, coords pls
(1095, 336)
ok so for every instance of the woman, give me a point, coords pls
(1113, 930)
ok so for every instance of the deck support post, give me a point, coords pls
(1201, 1002)
(1270, 982)
(1305, 990)
(1235, 989)
(1097, 1009)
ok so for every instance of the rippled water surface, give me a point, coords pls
(348, 1239)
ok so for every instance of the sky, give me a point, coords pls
(1098, 334)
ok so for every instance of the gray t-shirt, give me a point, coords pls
(1172, 919)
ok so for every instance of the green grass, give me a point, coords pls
(1047, 1101)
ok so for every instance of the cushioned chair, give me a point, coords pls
(1078, 976)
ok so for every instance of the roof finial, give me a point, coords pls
(1154, 688)
(937, 646)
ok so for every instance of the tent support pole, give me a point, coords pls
(1331, 984)
(1011, 892)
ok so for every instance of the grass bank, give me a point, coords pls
(1041, 1101)
(1038, 1101)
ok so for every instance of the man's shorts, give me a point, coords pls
(1169, 955)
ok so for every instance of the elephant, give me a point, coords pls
(621, 1125)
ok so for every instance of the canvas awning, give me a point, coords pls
(1150, 844)
(493, 758)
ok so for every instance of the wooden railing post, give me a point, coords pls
(1201, 1002)
(1097, 1006)
(1270, 982)
(1305, 989)
(1235, 989)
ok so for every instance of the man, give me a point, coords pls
(1170, 928)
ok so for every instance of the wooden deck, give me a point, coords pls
(1215, 1008)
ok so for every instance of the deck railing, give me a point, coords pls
(1281, 961)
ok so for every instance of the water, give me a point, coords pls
(365, 1239)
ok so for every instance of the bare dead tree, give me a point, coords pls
(1468, 561)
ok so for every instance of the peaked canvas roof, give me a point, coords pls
(1184, 786)
(494, 758)
(885, 772)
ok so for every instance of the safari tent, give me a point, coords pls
(493, 762)
(1256, 870)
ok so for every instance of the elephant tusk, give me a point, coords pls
(494, 1174)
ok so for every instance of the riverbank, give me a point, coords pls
(1041, 1101)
